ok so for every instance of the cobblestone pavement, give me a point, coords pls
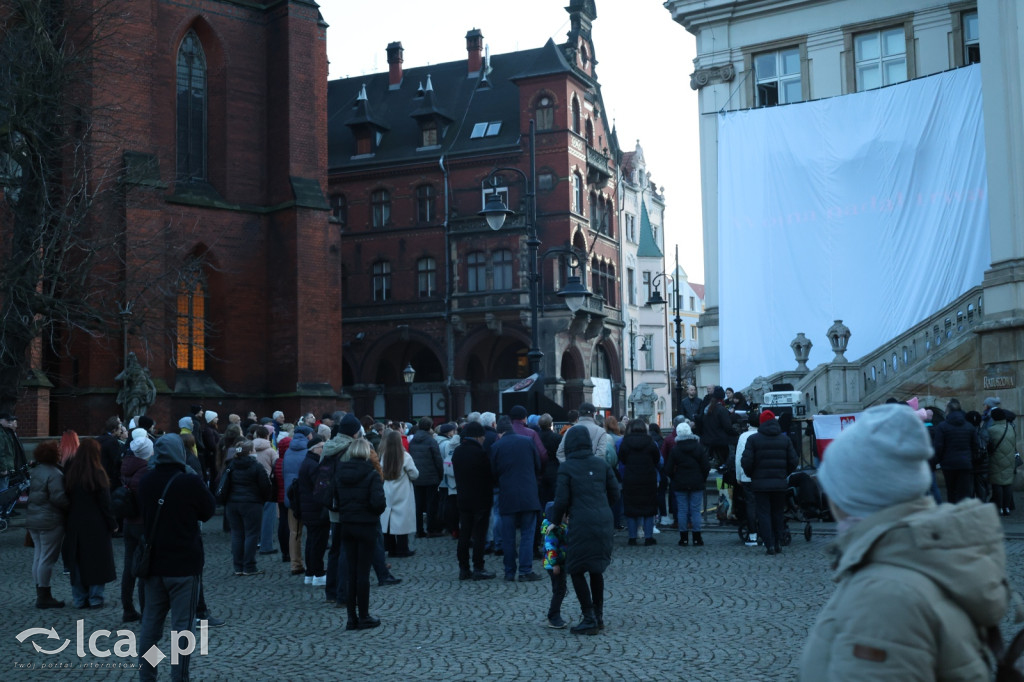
(718, 612)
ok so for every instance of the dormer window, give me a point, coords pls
(364, 142)
(428, 134)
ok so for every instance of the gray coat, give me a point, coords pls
(47, 500)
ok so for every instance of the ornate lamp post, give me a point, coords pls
(409, 375)
(656, 299)
(574, 292)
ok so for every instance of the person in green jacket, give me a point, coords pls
(1002, 450)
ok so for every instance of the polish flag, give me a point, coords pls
(828, 426)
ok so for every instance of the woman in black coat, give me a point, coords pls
(640, 458)
(688, 467)
(91, 525)
(716, 427)
(249, 487)
(361, 501)
(586, 490)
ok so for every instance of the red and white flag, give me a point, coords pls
(828, 426)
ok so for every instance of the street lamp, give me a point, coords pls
(575, 292)
(656, 299)
(409, 375)
(633, 333)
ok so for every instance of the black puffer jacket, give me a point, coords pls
(955, 442)
(360, 492)
(312, 513)
(716, 427)
(426, 455)
(249, 481)
(769, 458)
(639, 457)
(687, 465)
(587, 489)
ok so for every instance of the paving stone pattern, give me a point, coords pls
(722, 611)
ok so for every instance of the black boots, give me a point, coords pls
(599, 616)
(587, 626)
(698, 541)
(45, 600)
(684, 538)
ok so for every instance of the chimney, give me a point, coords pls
(395, 65)
(475, 50)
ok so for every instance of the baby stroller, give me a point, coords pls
(806, 501)
(17, 484)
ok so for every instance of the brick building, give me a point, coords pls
(425, 283)
(218, 145)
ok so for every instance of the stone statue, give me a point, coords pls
(138, 391)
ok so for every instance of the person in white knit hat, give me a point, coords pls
(919, 584)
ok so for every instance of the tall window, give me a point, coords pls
(693, 333)
(631, 228)
(575, 115)
(972, 45)
(647, 283)
(577, 193)
(426, 272)
(778, 77)
(191, 109)
(589, 134)
(191, 319)
(426, 200)
(545, 114)
(600, 366)
(631, 285)
(476, 271)
(610, 286)
(502, 262)
(880, 57)
(339, 208)
(382, 281)
(648, 351)
(380, 204)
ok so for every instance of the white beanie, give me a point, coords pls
(210, 416)
(142, 447)
(683, 430)
(139, 433)
(879, 461)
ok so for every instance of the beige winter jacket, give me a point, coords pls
(917, 586)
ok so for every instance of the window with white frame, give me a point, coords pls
(693, 332)
(502, 192)
(577, 193)
(631, 228)
(972, 45)
(648, 351)
(777, 77)
(880, 57)
(426, 271)
(647, 283)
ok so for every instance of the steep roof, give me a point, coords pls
(648, 247)
(698, 289)
(491, 106)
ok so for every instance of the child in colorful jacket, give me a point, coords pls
(554, 563)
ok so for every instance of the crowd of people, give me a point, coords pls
(512, 486)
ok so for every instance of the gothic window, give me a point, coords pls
(575, 115)
(589, 133)
(191, 109)
(600, 367)
(191, 319)
(545, 114)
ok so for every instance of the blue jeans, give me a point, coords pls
(267, 527)
(633, 522)
(84, 594)
(244, 518)
(179, 596)
(689, 505)
(494, 529)
(527, 522)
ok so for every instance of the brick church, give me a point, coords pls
(215, 130)
(427, 286)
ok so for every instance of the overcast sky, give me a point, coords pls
(644, 61)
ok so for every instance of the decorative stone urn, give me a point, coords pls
(801, 346)
(838, 338)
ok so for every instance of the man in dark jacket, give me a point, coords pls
(690, 406)
(176, 561)
(955, 450)
(768, 460)
(516, 465)
(314, 516)
(426, 454)
(473, 472)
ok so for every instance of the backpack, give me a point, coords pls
(323, 484)
(124, 504)
(293, 497)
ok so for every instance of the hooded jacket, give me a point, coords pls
(641, 462)
(336, 447)
(587, 490)
(917, 586)
(769, 458)
(427, 456)
(250, 483)
(955, 442)
(1002, 439)
(688, 466)
(177, 544)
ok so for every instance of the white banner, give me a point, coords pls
(870, 208)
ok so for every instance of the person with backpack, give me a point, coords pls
(314, 515)
(921, 588)
(248, 488)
